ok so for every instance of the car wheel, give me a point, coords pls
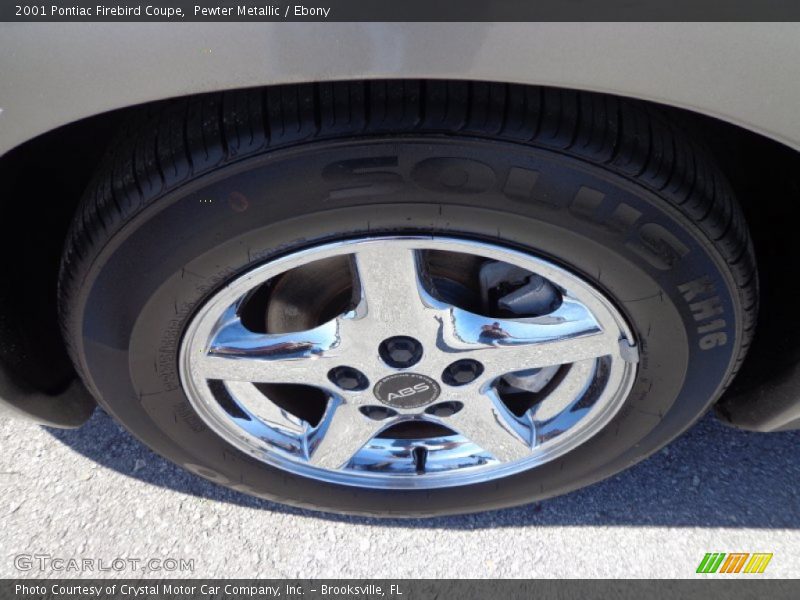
(407, 298)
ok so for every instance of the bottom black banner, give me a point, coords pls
(397, 589)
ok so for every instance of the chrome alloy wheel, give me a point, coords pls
(407, 362)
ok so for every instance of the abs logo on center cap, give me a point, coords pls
(406, 390)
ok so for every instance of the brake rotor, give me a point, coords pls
(309, 295)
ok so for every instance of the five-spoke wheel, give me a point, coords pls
(420, 388)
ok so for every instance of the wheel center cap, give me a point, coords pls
(406, 390)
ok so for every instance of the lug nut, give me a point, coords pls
(400, 351)
(462, 372)
(444, 409)
(378, 413)
(348, 378)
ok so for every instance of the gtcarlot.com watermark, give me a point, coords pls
(59, 564)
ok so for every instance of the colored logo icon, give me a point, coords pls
(734, 562)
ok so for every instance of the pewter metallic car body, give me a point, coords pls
(55, 73)
(747, 74)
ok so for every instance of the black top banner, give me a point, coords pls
(399, 10)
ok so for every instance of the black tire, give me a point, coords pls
(197, 190)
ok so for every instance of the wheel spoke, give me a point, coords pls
(567, 335)
(392, 295)
(486, 421)
(237, 354)
(343, 432)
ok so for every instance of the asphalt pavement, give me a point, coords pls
(96, 494)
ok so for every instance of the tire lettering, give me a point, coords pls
(363, 177)
(705, 304)
(379, 176)
(653, 243)
(624, 217)
(658, 246)
(586, 203)
(520, 183)
(459, 175)
(705, 309)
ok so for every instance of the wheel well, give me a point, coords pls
(47, 176)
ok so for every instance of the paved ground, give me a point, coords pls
(98, 493)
